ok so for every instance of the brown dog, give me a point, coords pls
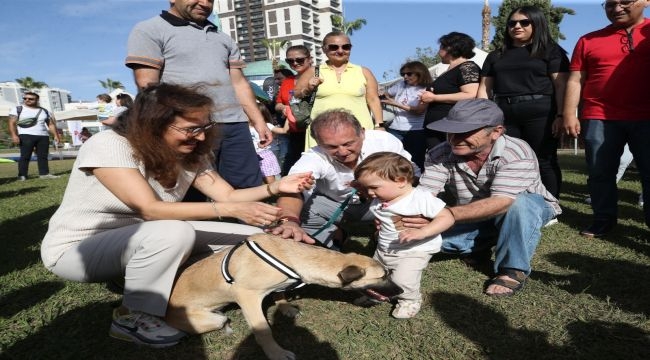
(202, 288)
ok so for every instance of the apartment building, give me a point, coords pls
(300, 22)
(52, 99)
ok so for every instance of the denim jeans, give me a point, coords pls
(27, 145)
(517, 234)
(604, 144)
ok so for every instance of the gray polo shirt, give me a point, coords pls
(189, 54)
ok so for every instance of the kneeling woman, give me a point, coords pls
(122, 218)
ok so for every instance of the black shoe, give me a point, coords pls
(599, 228)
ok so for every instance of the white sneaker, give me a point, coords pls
(144, 329)
(551, 222)
(641, 200)
(49, 176)
(588, 200)
(22, 178)
(406, 309)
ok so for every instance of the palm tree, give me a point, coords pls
(348, 27)
(111, 85)
(274, 46)
(30, 84)
(487, 14)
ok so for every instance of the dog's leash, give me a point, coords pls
(268, 258)
(336, 213)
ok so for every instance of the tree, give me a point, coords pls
(486, 13)
(348, 27)
(554, 15)
(274, 46)
(111, 85)
(30, 84)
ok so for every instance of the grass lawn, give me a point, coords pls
(586, 298)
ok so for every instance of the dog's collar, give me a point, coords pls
(268, 258)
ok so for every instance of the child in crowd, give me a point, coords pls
(268, 161)
(387, 178)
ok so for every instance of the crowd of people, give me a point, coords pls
(181, 158)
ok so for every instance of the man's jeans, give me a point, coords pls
(27, 145)
(517, 234)
(604, 143)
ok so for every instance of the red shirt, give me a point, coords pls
(617, 80)
(283, 95)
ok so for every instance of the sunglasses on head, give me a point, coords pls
(523, 23)
(297, 61)
(335, 47)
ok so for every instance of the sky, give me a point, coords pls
(72, 44)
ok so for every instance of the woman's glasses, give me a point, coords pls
(193, 131)
(296, 61)
(611, 5)
(523, 23)
(335, 47)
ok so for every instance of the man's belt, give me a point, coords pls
(518, 99)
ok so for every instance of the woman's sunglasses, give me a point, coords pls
(523, 23)
(297, 61)
(335, 47)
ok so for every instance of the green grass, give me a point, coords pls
(586, 298)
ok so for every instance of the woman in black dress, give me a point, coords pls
(527, 78)
(459, 82)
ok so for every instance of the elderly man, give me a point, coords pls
(497, 197)
(609, 80)
(342, 144)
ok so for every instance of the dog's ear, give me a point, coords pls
(351, 273)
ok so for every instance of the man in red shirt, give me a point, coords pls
(610, 79)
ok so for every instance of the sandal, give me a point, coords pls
(515, 281)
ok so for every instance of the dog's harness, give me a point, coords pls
(268, 258)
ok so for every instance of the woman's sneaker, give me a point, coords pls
(406, 309)
(144, 329)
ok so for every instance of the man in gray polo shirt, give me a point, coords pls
(494, 191)
(182, 47)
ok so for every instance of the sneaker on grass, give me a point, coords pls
(144, 329)
(406, 309)
(49, 176)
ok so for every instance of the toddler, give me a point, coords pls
(387, 178)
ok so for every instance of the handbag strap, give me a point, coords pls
(312, 97)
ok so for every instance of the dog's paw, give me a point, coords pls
(288, 310)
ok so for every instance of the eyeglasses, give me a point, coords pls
(29, 98)
(335, 47)
(407, 73)
(297, 61)
(523, 23)
(611, 5)
(194, 131)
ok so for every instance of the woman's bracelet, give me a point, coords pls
(214, 207)
(268, 189)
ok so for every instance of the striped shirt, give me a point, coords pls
(511, 169)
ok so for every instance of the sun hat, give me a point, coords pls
(468, 115)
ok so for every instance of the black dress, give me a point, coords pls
(449, 82)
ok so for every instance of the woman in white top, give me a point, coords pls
(404, 97)
(122, 219)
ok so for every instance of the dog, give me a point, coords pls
(245, 276)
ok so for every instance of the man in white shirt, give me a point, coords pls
(342, 145)
(28, 126)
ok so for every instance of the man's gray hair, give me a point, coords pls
(332, 119)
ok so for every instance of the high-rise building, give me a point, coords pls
(52, 99)
(300, 22)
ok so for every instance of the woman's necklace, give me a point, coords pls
(338, 71)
